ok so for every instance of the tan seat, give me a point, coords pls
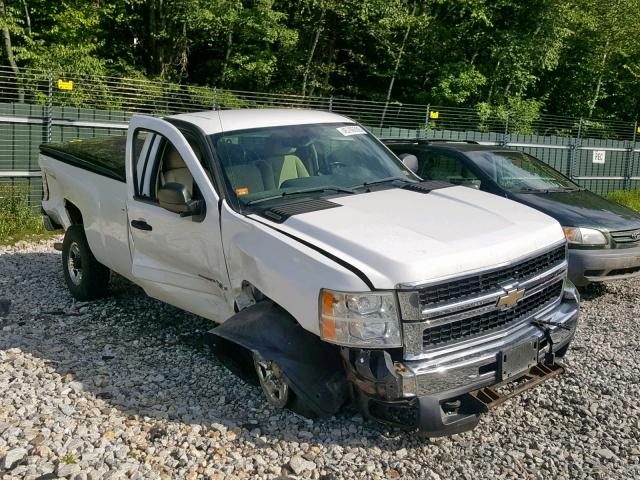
(284, 164)
(247, 178)
(174, 170)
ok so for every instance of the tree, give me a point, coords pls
(8, 23)
(567, 57)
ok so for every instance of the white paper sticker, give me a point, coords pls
(599, 156)
(351, 130)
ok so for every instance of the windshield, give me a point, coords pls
(290, 162)
(519, 172)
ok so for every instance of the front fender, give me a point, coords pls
(313, 368)
(284, 269)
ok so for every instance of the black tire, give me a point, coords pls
(86, 278)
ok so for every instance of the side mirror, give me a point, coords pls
(175, 198)
(410, 161)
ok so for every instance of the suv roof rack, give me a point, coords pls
(427, 141)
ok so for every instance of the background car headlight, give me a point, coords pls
(584, 236)
(360, 319)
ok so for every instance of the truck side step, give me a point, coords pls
(489, 397)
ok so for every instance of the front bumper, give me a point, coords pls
(431, 394)
(601, 265)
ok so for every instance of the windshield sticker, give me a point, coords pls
(351, 130)
(242, 191)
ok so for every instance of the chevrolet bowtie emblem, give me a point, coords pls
(510, 298)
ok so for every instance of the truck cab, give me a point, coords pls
(324, 258)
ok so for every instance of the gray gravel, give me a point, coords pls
(124, 388)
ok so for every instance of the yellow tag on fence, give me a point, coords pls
(65, 85)
(434, 115)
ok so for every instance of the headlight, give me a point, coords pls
(359, 319)
(584, 236)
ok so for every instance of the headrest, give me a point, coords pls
(172, 159)
(246, 177)
(275, 148)
(231, 154)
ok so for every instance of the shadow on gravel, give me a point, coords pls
(149, 359)
(593, 291)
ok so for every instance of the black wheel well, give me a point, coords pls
(74, 213)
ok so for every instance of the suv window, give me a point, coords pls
(520, 172)
(441, 166)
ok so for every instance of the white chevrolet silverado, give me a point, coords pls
(333, 271)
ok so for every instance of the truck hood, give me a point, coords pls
(398, 236)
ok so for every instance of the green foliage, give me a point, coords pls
(461, 83)
(565, 57)
(68, 459)
(517, 115)
(630, 199)
(17, 219)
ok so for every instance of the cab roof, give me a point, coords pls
(217, 121)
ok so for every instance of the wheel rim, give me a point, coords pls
(272, 380)
(74, 264)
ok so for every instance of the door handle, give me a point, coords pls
(141, 225)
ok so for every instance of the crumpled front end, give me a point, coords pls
(463, 335)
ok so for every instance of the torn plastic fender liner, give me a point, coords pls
(312, 367)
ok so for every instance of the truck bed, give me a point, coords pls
(90, 176)
(104, 156)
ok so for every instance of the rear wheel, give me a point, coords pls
(86, 278)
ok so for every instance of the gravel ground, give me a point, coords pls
(124, 388)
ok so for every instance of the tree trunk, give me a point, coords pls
(399, 57)
(307, 67)
(183, 60)
(156, 44)
(592, 105)
(396, 67)
(227, 55)
(493, 82)
(153, 59)
(6, 36)
(330, 59)
(162, 21)
(27, 16)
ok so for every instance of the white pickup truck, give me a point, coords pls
(334, 271)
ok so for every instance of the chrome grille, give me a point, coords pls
(481, 304)
(476, 285)
(492, 320)
(626, 237)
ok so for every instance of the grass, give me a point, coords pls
(18, 221)
(631, 199)
(68, 459)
